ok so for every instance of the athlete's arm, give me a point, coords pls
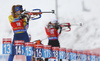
(47, 31)
(25, 24)
(12, 19)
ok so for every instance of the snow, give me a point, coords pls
(86, 12)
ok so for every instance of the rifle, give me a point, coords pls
(37, 13)
(67, 26)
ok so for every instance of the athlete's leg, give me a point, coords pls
(11, 56)
(26, 38)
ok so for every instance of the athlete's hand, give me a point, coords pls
(22, 16)
(28, 18)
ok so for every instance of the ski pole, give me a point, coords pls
(41, 39)
(44, 39)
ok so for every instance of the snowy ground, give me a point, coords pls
(73, 11)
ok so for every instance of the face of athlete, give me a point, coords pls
(18, 12)
(53, 24)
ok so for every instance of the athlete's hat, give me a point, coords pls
(18, 8)
(54, 21)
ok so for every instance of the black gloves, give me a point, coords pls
(22, 16)
(57, 26)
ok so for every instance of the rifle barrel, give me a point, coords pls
(76, 24)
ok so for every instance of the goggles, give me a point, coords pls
(18, 8)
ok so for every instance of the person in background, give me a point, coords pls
(33, 57)
(52, 33)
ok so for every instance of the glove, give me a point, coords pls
(22, 16)
(28, 18)
(56, 26)
(60, 27)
